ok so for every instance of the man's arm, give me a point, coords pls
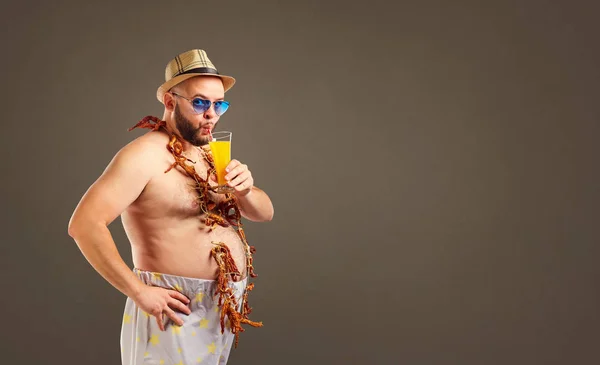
(256, 205)
(119, 185)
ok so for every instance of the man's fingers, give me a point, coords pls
(232, 165)
(177, 295)
(176, 304)
(236, 171)
(236, 181)
(173, 317)
(159, 321)
(240, 178)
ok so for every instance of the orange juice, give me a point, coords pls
(221, 151)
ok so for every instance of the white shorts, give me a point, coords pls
(199, 340)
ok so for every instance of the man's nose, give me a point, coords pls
(210, 112)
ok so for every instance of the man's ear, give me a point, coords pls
(169, 101)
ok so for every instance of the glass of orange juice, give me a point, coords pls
(220, 146)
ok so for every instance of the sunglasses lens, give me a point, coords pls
(221, 107)
(200, 105)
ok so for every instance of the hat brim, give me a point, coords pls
(228, 82)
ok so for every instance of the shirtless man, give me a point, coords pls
(160, 214)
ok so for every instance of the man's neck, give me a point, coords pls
(188, 148)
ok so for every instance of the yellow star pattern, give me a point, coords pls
(176, 329)
(212, 348)
(178, 288)
(146, 314)
(193, 333)
(199, 297)
(179, 350)
(137, 339)
(156, 275)
(162, 362)
(204, 323)
(154, 340)
(146, 354)
(216, 308)
(180, 362)
(199, 360)
(126, 318)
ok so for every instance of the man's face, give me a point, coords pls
(193, 132)
(196, 128)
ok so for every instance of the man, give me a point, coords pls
(172, 315)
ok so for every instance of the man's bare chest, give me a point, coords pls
(175, 193)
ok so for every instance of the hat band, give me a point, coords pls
(199, 70)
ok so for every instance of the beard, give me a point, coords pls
(188, 131)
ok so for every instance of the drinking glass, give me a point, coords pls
(220, 147)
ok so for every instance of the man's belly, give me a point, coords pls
(185, 251)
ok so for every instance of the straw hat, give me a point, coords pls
(187, 65)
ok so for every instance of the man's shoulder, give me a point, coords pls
(145, 149)
(150, 142)
(152, 138)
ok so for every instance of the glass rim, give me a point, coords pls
(222, 135)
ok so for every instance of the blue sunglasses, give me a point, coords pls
(202, 105)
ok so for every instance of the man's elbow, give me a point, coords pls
(78, 226)
(269, 217)
(74, 227)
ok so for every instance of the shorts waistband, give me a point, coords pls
(185, 285)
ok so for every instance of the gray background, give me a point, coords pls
(433, 167)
